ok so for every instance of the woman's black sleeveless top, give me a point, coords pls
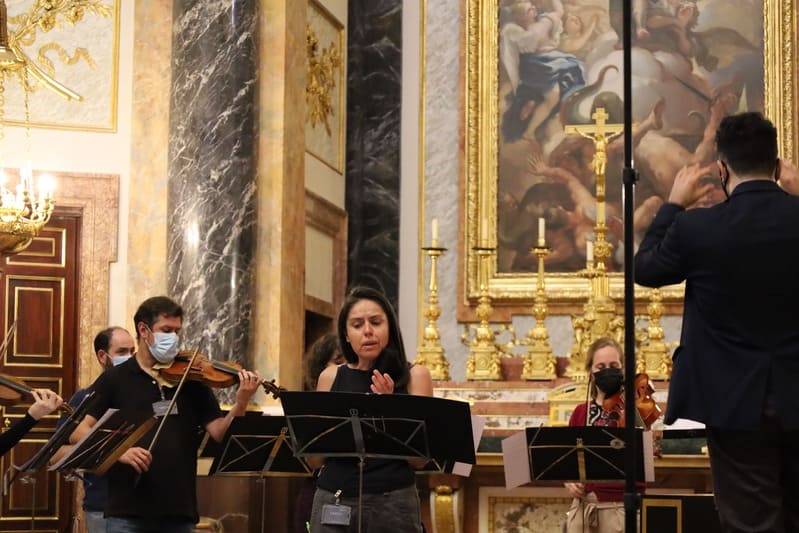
(379, 475)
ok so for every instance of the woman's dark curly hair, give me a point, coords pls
(322, 352)
(392, 360)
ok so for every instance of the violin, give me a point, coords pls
(215, 374)
(647, 408)
(13, 390)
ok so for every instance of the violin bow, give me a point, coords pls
(173, 400)
(9, 334)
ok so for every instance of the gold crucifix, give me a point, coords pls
(601, 134)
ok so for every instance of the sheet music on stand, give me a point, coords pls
(258, 445)
(110, 437)
(576, 453)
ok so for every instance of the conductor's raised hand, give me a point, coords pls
(788, 177)
(382, 383)
(688, 187)
(44, 402)
(138, 458)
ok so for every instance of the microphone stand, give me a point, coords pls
(631, 501)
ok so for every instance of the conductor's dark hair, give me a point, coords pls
(747, 143)
(392, 360)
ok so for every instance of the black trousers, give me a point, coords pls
(756, 478)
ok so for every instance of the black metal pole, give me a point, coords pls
(629, 177)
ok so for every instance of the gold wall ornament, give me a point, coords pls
(483, 362)
(323, 63)
(539, 362)
(43, 16)
(444, 509)
(430, 353)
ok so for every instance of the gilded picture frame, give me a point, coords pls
(481, 126)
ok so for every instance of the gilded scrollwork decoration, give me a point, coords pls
(325, 92)
(324, 63)
(69, 48)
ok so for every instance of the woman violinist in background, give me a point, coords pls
(604, 363)
(44, 403)
(370, 339)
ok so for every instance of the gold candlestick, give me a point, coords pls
(539, 363)
(483, 362)
(655, 353)
(430, 352)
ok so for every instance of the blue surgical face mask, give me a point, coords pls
(164, 347)
(117, 360)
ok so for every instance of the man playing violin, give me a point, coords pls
(155, 491)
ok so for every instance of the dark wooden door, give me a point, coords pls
(39, 290)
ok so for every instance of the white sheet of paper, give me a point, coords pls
(649, 457)
(514, 458)
(478, 424)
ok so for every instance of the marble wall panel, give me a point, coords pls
(212, 186)
(373, 142)
(147, 210)
(441, 100)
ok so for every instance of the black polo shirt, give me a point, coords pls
(168, 489)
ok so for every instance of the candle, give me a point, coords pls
(541, 232)
(589, 252)
(434, 231)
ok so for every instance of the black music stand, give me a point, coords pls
(59, 439)
(387, 426)
(41, 457)
(577, 453)
(258, 445)
(110, 437)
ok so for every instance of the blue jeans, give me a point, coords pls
(95, 523)
(144, 525)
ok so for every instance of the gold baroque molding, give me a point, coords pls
(444, 509)
(323, 65)
(480, 163)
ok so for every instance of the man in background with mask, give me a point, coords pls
(156, 492)
(112, 346)
(737, 366)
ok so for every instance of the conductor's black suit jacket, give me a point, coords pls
(740, 330)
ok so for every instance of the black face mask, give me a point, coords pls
(609, 380)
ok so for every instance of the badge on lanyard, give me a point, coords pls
(160, 407)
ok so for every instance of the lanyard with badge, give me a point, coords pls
(171, 405)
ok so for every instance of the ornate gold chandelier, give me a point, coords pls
(23, 212)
